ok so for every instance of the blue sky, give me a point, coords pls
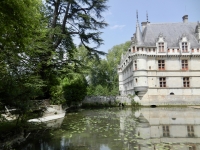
(121, 17)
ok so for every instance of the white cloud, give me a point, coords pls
(117, 26)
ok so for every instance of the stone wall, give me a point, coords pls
(106, 100)
(147, 100)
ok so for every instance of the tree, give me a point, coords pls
(22, 28)
(18, 20)
(75, 88)
(69, 18)
(104, 75)
(76, 17)
(113, 59)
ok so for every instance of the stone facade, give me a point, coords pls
(163, 61)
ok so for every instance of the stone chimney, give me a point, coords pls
(185, 19)
(143, 24)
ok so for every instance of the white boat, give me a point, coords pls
(52, 112)
(48, 118)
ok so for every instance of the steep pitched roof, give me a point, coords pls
(172, 33)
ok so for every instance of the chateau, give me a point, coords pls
(162, 65)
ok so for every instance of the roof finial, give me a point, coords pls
(137, 15)
(147, 17)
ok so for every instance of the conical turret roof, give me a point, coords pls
(138, 35)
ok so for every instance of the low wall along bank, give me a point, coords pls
(158, 100)
(106, 100)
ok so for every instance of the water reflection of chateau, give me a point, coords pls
(180, 129)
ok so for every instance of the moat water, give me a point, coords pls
(122, 129)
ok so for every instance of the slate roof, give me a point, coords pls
(172, 33)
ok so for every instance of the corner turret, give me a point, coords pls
(138, 34)
(140, 64)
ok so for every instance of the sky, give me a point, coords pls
(121, 17)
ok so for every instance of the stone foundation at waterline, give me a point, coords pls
(161, 100)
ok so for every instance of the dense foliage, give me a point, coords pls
(38, 57)
(68, 19)
(37, 51)
(102, 74)
(21, 26)
(75, 87)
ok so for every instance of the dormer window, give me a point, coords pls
(184, 47)
(161, 47)
(161, 44)
(184, 44)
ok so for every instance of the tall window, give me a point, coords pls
(134, 49)
(190, 130)
(162, 81)
(184, 64)
(184, 47)
(165, 131)
(161, 47)
(135, 65)
(161, 64)
(186, 82)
